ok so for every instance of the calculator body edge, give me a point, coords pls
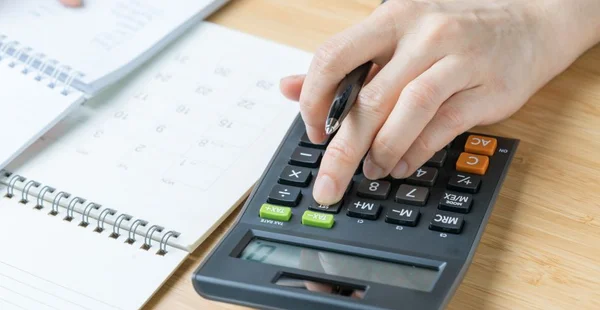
(223, 276)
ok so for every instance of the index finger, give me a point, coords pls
(373, 39)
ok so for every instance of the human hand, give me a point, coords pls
(442, 67)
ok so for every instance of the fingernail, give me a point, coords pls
(400, 170)
(371, 170)
(325, 191)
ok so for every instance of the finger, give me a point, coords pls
(351, 142)
(291, 86)
(71, 3)
(457, 115)
(416, 106)
(374, 39)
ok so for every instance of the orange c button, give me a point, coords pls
(471, 163)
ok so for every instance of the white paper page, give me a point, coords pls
(102, 36)
(47, 263)
(28, 108)
(181, 143)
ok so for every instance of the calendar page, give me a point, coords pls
(181, 142)
(102, 39)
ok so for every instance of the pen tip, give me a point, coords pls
(331, 125)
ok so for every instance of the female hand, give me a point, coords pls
(442, 67)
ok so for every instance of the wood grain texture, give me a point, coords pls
(541, 248)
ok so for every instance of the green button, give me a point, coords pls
(317, 219)
(277, 213)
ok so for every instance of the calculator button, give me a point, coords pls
(447, 222)
(374, 189)
(425, 176)
(304, 141)
(317, 219)
(405, 216)
(284, 195)
(413, 195)
(471, 163)
(456, 202)
(295, 176)
(481, 145)
(438, 159)
(363, 209)
(334, 208)
(273, 212)
(464, 182)
(305, 157)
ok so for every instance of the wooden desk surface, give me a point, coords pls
(541, 248)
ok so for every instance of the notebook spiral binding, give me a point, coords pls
(44, 69)
(71, 213)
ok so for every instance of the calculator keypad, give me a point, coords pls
(284, 195)
(456, 202)
(464, 182)
(472, 163)
(404, 215)
(334, 208)
(447, 222)
(364, 209)
(438, 159)
(305, 157)
(374, 189)
(412, 195)
(369, 199)
(425, 176)
(481, 145)
(297, 176)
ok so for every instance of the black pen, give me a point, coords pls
(345, 96)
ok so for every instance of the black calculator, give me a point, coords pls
(389, 244)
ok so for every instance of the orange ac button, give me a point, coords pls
(481, 145)
(471, 163)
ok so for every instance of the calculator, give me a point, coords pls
(388, 244)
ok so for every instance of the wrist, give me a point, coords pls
(573, 26)
(560, 31)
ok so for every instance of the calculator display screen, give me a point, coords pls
(337, 264)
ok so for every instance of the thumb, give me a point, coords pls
(291, 86)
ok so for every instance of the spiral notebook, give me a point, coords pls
(52, 57)
(98, 212)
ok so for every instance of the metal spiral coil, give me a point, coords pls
(85, 216)
(133, 228)
(40, 197)
(18, 54)
(148, 237)
(26, 189)
(11, 184)
(31, 189)
(162, 246)
(117, 227)
(102, 218)
(56, 202)
(71, 207)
